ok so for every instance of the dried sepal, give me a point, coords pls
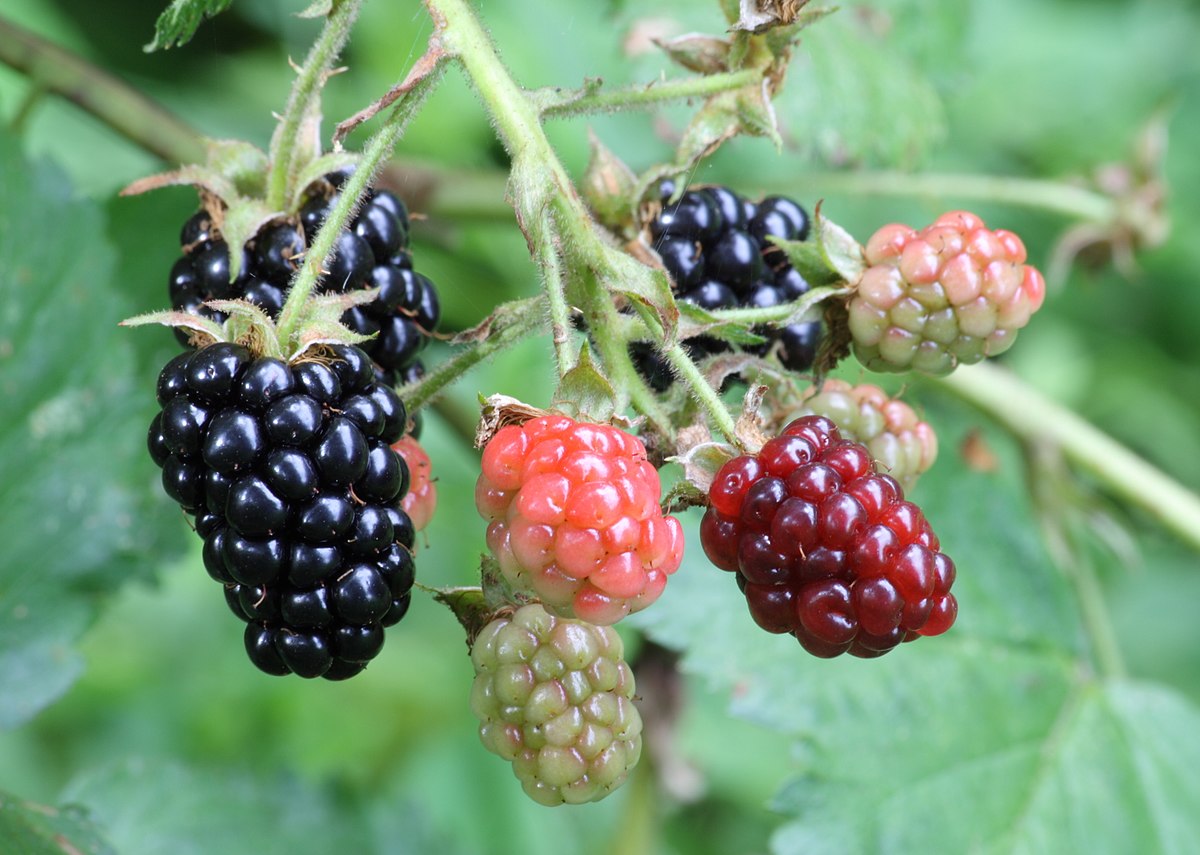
(497, 411)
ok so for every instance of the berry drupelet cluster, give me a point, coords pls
(953, 292)
(289, 472)
(574, 518)
(554, 696)
(825, 548)
(714, 246)
(372, 252)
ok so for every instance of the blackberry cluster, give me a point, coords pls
(372, 253)
(825, 548)
(289, 472)
(713, 244)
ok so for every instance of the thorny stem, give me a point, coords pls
(562, 104)
(1057, 197)
(106, 97)
(1033, 417)
(707, 396)
(422, 78)
(305, 91)
(526, 316)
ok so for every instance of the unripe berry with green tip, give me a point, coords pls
(952, 293)
(554, 696)
(902, 445)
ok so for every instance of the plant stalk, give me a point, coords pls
(303, 100)
(1032, 416)
(646, 95)
(1054, 196)
(110, 99)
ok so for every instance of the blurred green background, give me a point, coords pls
(123, 685)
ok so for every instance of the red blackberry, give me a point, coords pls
(825, 548)
(421, 499)
(372, 253)
(573, 516)
(297, 493)
(714, 246)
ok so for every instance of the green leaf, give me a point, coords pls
(80, 509)
(146, 805)
(32, 829)
(999, 736)
(178, 23)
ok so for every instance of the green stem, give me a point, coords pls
(527, 316)
(614, 353)
(1057, 197)
(706, 395)
(304, 98)
(94, 90)
(1032, 416)
(547, 257)
(560, 105)
(421, 80)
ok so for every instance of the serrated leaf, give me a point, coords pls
(698, 52)
(80, 508)
(33, 829)
(584, 392)
(178, 23)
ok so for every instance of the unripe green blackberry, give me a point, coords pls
(554, 697)
(951, 293)
(903, 446)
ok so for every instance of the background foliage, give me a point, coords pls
(126, 700)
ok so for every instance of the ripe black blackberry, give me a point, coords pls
(713, 244)
(289, 471)
(372, 253)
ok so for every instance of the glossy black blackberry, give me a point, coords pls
(714, 245)
(297, 494)
(372, 253)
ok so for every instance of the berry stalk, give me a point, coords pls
(420, 81)
(1031, 416)
(304, 98)
(646, 95)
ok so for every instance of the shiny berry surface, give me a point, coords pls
(825, 548)
(298, 496)
(573, 517)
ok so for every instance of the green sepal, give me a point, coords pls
(698, 52)
(831, 254)
(584, 392)
(249, 325)
(318, 168)
(204, 330)
(608, 186)
(320, 322)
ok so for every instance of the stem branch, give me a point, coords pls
(559, 105)
(1032, 416)
(1055, 196)
(304, 98)
(114, 102)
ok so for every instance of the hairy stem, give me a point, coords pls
(706, 395)
(614, 353)
(304, 98)
(1054, 196)
(547, 256)
(559, 105)
(521, 318)
(419, 83)
(1033, 417)
(114, 102)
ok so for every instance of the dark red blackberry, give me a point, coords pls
(825, 548)
(714, 245)
(372, 253)
(297, 493)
